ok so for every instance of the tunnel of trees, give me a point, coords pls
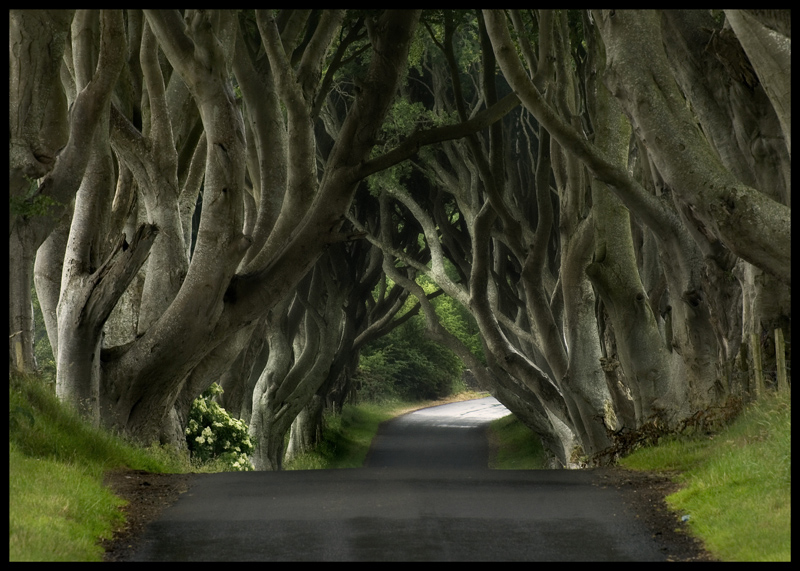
(589, 210)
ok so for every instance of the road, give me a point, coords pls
(425, 495)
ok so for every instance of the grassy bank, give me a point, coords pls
(512, 446)
(736, 484)
(58, 507)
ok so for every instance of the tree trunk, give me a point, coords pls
(20, 311)
(306, 430)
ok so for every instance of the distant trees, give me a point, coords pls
(214, 196)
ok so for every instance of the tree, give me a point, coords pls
(44, 144)
(685, 154)
(183, 318)
(636, 324)
(269, 204)
(179, 183)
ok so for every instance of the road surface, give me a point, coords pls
(425, 495)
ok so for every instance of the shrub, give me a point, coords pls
(405, 364)
(212, 434)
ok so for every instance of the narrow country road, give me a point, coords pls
(425, 495)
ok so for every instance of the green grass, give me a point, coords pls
(736, 484)
(513, 446)
(58, 507)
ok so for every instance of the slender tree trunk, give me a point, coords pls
(306, 431)
(20, 311)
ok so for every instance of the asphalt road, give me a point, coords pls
(425, 495)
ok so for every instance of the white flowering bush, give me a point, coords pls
(212, 434)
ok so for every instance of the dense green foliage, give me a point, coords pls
(405, 365)
(211, 433)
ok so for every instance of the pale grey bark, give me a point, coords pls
(770, 52)
(674, 301)
(47, 271)
(747, 221)
(301, 348)
(39, 131)
(688, 324)
(672, 136)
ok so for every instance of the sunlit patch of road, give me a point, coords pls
(464, 414)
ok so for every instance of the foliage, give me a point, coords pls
(31, 204)
(212, 434)
(377, 373)
(347, 435)
(405, 364)
(30, 207)
(456, 318)
(513, 446)
(42, 352)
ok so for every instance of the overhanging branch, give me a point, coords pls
(112, 278)
(419, 139)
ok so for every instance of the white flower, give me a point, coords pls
(200, 439)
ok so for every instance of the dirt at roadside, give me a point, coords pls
(647, 493)
(147, 495)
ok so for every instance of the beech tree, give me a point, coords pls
(627, 303)
(210, 116)
(607, 192)
(261, 228)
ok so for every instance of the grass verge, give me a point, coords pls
(736, 484)
(513, 446)
(59, 509)
(58, 506)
